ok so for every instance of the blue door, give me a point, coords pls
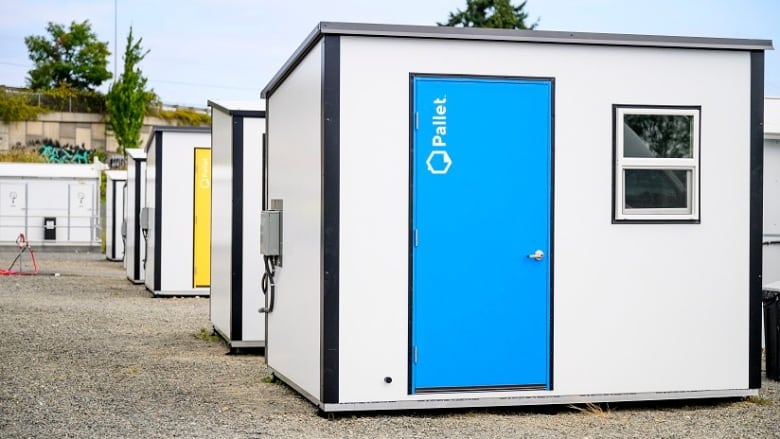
(481, 228)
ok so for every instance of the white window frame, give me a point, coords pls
(691, 164)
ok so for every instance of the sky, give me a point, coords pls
(203, 50)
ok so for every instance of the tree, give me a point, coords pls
(128, 98)
(500, 14)
(71, 58)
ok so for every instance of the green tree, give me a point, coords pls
(499, 14)
(69, 58)
(128, 98)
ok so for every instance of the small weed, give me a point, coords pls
(760, 400)
(270, 379)
(204, 335)
(593, 409)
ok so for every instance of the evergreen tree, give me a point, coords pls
(499, 14)
(128, 98)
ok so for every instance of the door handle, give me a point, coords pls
(538, 255)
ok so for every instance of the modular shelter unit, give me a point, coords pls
(237, 130)
(771, 253)
(135, 225)
(116, 189)
(51, 204)
(476, 217)
(178, 202)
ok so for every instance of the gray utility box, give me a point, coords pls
(270, 233)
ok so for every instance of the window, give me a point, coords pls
(656, 163)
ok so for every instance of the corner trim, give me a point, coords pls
(137, 233)
(158, 205)
(113, 218)
(237, 230)
(756, 215)
(329, 289)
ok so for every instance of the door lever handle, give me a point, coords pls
(538, 255)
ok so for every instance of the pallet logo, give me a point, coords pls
(439, 161)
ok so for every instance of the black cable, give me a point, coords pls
(268, 285)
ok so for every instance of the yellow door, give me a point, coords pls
(201, 243)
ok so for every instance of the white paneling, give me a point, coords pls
(150, 177)
(115, 213)
(294, 173)
(221, 220)
(13, 207)
(81, 212)
(771, 264)
(772, 189)
(771, 250)
(253, 299)
(136, 188)
(772, 116)
(638, 308)
(47, 199)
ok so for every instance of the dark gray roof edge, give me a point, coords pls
(293, 61)
(542, 36)
(180, 128)
(508, 35)
(232, 112)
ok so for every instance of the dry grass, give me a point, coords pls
(22, 156)
(592, 409)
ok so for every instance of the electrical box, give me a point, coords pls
(271, 232)
(144, 218)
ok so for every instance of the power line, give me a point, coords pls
(195, 84)
(15, 64)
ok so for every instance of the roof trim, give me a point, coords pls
(241, 109)
(174, 129)
(136, 153)
(506, 35)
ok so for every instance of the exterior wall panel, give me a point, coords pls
(294, 175)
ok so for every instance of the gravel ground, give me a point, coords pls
(87, 354)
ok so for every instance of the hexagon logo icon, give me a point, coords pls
(441, 166)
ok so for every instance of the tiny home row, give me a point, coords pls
(167, 225)
(192, 222)
(511, 218)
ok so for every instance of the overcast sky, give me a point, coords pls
(228, 49)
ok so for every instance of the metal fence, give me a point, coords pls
(61, 100)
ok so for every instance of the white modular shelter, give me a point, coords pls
(771, 251)
(237, 130)
(51, 204)
(474, 217)
(178, 199)
(116, 190)
(135, 225)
